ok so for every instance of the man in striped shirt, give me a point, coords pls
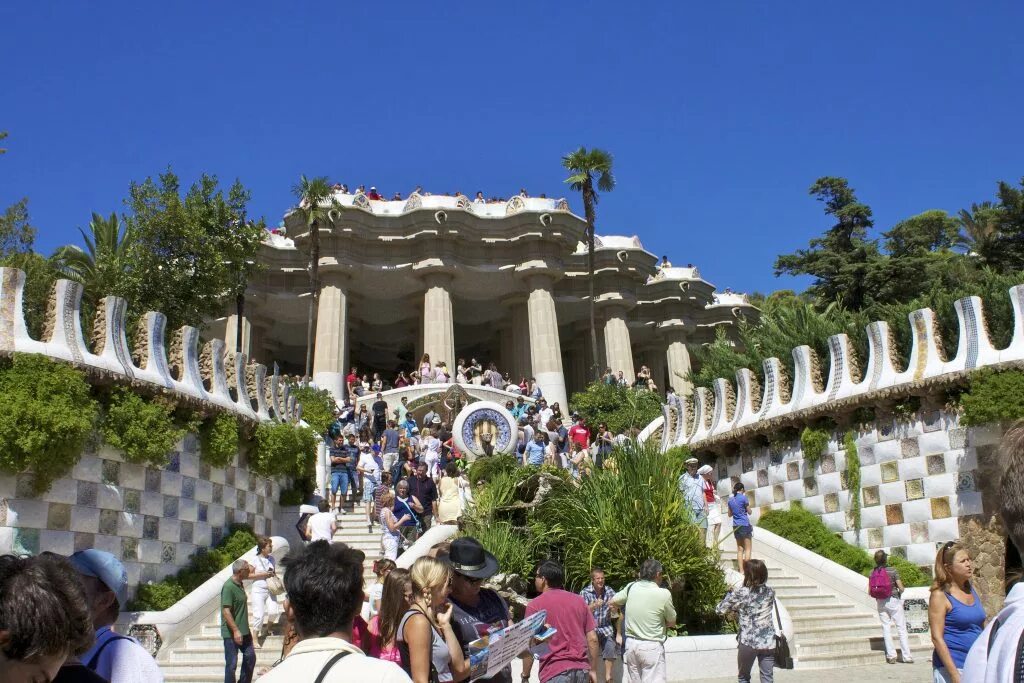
(598, 597)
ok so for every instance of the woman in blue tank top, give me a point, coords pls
(955, 614)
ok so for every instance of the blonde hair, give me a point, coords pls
(943, 561)
(427, 574)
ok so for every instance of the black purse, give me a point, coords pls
(783, 658)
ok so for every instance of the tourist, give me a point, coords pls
(430, 451)
(449, 506)
(45, 622)
(579, 433)
(691, 486)
(361, 189)
(519, 409)
(610, 378)
(380, 416)
(391, 525)
(262, 569)
(475, 371)
(369, 468)
(572, 656)
(428, 419)
(352, 384)
(377, 384)
(426, 638)
(388, 443)
(476, 609)
(742, 529)
(479, 198)
(322, 525)
(598, 597)
(756, 611)
(605, 442)
(535, 390)
(535, 450)
(424, 369)
(401, 380)
(579, 462)
(714, 507)
(524, 386)
(424, 490)
(381, 569)
(494, 377)
(340, 457)
(955, 614)
(460, 372)
(325, 593)
(394, 603)
(886, 588)
(362, 419)
(995, 655)
(544, 411)
(396, 197)
(373, 194)
(407, 508)
(115, 657)
(234, 625)
(408, 425)
(648, 616)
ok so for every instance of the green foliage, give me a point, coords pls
(317, 407)
(853, 476)
(203, 565)
(807, 530)
(283, 449)
(144, 430)
(219, 440)
(16, 231)
(515, 551)
(297, 493)
(620, 407)
(485, 469)
(993, 397)
(40, 276)
(782, 438)
(46, 416)
(813, 442)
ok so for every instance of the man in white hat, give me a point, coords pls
(115, 657)
(690, 484)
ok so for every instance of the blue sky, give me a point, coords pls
(720, 115)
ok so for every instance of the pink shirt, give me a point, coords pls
(568, 613)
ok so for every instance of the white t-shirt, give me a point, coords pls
(371, 470)
(320, 526)
(122, 661)
(376, 592)
(545, 416)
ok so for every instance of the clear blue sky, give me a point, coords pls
(720, 115)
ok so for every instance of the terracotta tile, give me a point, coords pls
(894, 513)
(869, 494)
(831, 502)
(940, 508)
(792, 471)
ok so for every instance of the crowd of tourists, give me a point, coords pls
(472, 372)
(374, 194)
(57, 613)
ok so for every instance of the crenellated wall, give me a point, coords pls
(208, 375)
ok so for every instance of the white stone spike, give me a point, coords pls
(154, 362)
(881, 370)
(191, 380)
(1015, 351)
(66, 341)
(262, 409)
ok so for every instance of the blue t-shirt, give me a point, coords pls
(535, 453)
(964, 623)
(738, 508)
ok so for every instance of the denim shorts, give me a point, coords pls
(367, 494)
(606, 644)
(742, 532)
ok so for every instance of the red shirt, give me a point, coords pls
(568, 613)
(352, 380)
(580, 435)
(709, 491)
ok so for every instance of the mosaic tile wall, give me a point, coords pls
(919, 479)
(153, 519)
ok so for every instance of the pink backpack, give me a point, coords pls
(880, 584)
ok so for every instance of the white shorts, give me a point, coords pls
(714, 514)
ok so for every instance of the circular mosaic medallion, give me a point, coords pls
(483, 422)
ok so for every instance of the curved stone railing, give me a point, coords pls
(208, 375)
(732, 411)
(434, 202)
(414, 392)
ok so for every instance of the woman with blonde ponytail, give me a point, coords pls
(955, 614)
(427, 642)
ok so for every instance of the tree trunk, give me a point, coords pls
(239, 312)
(314, 299)
(588, 209)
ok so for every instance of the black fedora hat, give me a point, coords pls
(467, 557)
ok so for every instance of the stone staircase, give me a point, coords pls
(830, 630)
(199, 658)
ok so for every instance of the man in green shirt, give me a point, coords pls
(234, 625)
(648, 616)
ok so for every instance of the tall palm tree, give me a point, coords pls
(583, 165)
(317, 207)
(980, 231)
(105, 262)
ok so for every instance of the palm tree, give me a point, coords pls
(980, 234)
(317, 206)
(583, 166)
(104, 263)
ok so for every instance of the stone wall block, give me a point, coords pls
(85, 520)
(60, 542)
(87, 469)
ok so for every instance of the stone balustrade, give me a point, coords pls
(436, 202)
(211, 375)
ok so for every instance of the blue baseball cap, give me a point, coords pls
(105, 567)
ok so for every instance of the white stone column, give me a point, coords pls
(231, 332)
(678, 357)
(618, 348)
(329, 350)
(657, 364)
(438, 322)
(545, 349)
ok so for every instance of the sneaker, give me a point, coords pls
(890, 660)
(908, 660)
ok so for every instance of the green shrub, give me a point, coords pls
(203, 565)
(853, 477)
(619, 407)
(143, 430)
(317, 407)
(485, 469)
(283, 449)
(813, 442)
(219, 440)
(807, 530)
(46, 417)
(993, 397)
(298, 492)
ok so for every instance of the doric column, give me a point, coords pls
(678, 357)
(618, 348)
(329, 351)
(545, 349)
(438, 322)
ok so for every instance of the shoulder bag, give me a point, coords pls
(330, 663)
(783, 658)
